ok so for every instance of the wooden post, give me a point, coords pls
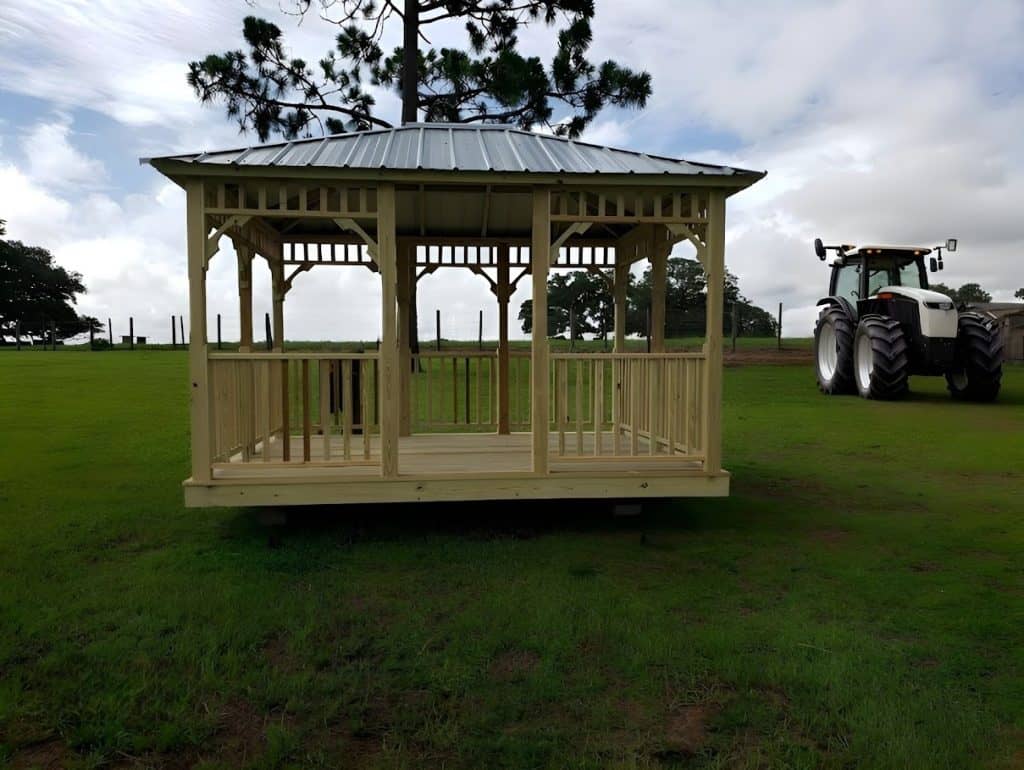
(277, 306)
(406, 254)
(715, 269)
(647, 322)
(437, 322)
(198, 366)
(659, 270)
(572, 328)
(480, 332)
(244, 254)
(504, 426)
(732, 325)
(220, 344)
(621, 286)
(269, 333)
(110, 333)
(540, 255)
(174, 334)
(92, 338)
(181, 325)
(17, 334)
(131, 333)
(388, 387)
(780, 326)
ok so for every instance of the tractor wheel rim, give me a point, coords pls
(828, 352)
(865, 362)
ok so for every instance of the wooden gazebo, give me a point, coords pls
(283, 426)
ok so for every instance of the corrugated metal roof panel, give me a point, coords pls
(454, 147)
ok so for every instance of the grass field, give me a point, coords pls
(857, 601)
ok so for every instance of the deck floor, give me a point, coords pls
(450, 453)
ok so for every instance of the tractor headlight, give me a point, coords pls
(939, 305)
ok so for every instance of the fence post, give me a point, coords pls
(438, 322)
(218, 332)
(735, 313)
(17, 333)
(480, 332)
(572, 329)
(174, 335)
(92, 338)
(110, 333)
(181, 328)
(780, 326)
(53, 335)
(270, 336)
(131, 333)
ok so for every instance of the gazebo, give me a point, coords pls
(281, 426)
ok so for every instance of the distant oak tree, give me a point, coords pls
(36, 292)
(966, 294)
(266, 90)
(1019, 294)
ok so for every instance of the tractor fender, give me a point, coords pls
(842, 302)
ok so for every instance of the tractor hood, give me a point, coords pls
(920, 295)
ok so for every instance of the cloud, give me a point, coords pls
(54, 162)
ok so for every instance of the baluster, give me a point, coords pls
(286, 450)
(579, 406)
(307, 428)
(346, 408)
(324, 367)
(364, 406)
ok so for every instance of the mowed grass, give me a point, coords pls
(857, 601)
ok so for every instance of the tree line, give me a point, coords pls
(585, 299)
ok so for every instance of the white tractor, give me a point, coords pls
(880, 324)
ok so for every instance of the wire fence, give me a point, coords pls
(576, 329)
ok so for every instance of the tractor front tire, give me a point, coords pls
(880, 362)
(833, 351)
(977, 361)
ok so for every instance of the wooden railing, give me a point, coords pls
(627, 405)
(312, 408)
(458, 391)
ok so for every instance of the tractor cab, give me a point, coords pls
(863, 271)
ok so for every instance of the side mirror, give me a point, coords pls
(819, 249)
(934, 265)
(951, 244)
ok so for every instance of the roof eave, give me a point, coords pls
(177, 169)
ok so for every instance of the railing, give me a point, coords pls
(311, 408)
(458, 391)
(627, 405)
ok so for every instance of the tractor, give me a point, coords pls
(880, 324)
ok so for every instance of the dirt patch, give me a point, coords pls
(49, 754)
(687, 730)
(767, 356)
(512, 665)
(240, 734)
(830, 536)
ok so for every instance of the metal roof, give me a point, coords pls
(452, 147)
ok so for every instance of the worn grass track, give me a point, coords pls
(858, 601)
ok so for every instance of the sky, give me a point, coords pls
(877, 121)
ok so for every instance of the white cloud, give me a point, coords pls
(54, 162)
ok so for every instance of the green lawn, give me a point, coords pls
(858, 601)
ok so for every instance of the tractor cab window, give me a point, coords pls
(879, 277)
(848, 282)
(910, 275)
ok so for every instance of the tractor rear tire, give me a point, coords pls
(978, 360)
(833, 351)
(880, 362)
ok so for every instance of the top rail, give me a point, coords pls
(294, 355)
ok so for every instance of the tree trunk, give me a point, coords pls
(410, 61)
